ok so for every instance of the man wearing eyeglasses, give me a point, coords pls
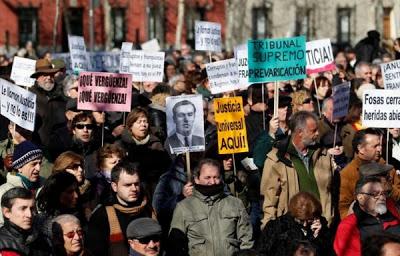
(16, 235)
(144, 236)
(373, 213)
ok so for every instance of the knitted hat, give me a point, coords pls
(24, 153)
(142, 228)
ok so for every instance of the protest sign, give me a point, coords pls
(391, 75)
(79, 57)
(99, 61)
(319, 56)
(231, 126)
(207, 36)
(381, 108)
(151, 45)
(241, 56)
(185, 123)
(277, 59)
(223, 76)
(21, 71)
(100, 91)
(124, 58)
(143, 65)
(18, 105)
(341, 97)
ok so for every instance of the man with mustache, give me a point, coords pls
(373, 213)
(367, 146)
(296, 164)
(144, 236)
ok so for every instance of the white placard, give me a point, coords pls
(185, 119)
(79, 57)
(381, 108)
(21, 72)
(319, 56)
(151, 45)
(391, 75)
(341, 97)
(144, 66)
(124, 59)
(223, 76)
(99, 61)
(18, 105)
(207, 36)
(241, 56)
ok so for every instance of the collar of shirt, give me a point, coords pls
(182, 138)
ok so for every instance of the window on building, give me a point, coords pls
(303, 22)
(343, 25)
(387, 31)
(28, 25)
(75, 16)
(153, 22)
(118, 26)
(259, 22)
(191, 15)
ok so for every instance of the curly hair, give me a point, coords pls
(304, 206)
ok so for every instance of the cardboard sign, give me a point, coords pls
(381, 108)
(223, 76)
(207, 36)
(241, 56)
(18, 105)
(319, 56)
(341, 97)
(100, 91)
(125, 54)
(79, 57)
(391, 75)
(231, 126)
(21, 71)
(151, 45)
(277, 59)
(185, 124)
(99, 61)
(144, 66)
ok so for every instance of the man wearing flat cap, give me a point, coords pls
(144, 236)
(50, 104)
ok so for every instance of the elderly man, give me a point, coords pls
(373, 213)
(209, 222)
(295, 165)
(363, 71)
(144, 235)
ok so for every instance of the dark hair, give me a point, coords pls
(124, 166)
(298, 121)
(304, 206)
(373, 245)
(181, 103)
(321, 80)
(48, 199)
(8, 198)
(134, 115)
(82, 117)
(254, 92)
(205, 161)
(107, 151)
(306, 248)
(365, 180)
(359, 137)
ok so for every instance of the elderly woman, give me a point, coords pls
(143, 147)
(67, 236)
(302, 222)
(70, 86)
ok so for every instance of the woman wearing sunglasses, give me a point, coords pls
(67, 236)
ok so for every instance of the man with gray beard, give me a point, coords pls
(374, 212)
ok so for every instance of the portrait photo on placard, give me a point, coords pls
(185, 124)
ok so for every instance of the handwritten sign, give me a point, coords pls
(277, 59)
(223, 76)
(79, 57)
(18, 105)
(231, 126)
(207, 36)
(100, 91)
(341, 97)
(21, 71)
(151, 45)
(99, 61)
(143, 65)
(241, 56)
(319, 56)
(391, 74)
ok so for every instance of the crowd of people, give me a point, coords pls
(107, 183)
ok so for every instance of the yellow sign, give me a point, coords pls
(231, 127)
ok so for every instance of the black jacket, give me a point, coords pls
(13, 238)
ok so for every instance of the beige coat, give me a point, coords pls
(280, 182)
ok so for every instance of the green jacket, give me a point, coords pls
(217, 225)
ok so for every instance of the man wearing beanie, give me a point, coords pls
(27, 161)
(209, 222)
(144, 236)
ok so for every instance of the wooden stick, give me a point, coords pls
(234, 174)
(334, 136)
(209, 55)
(387, 146)
(263, 101)
(276, 98)
(102, 134)
(316, 92)
(188, 171)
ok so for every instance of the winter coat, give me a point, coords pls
(24, 243)
(216, 225)
(348, 236)
(348, 179)
(280, 182)
(280, 234)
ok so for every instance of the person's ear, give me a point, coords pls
(6, 212)
(114, 186)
